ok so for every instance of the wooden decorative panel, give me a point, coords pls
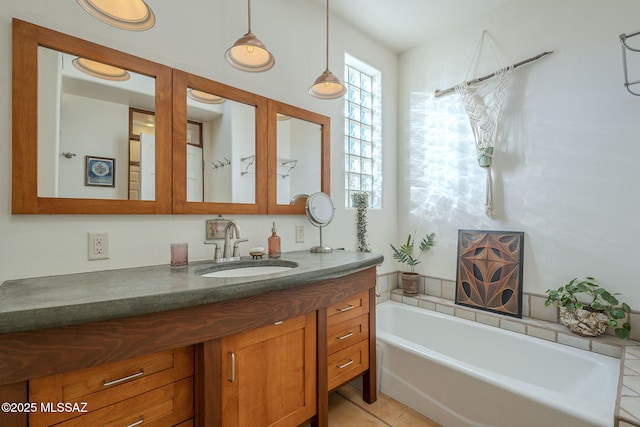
(489, 275)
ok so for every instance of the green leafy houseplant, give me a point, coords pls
(405, 255)
(587, 295)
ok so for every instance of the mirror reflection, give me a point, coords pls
(96, 130)
(221, 149)
(299, 144)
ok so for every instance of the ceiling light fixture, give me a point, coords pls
(204, 97)
(248, 53)
(100, 70)
(132, 15)
(327, 86)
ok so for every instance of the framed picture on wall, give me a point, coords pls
(490, 268)
(100, 171)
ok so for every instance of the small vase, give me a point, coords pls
(584, 322)
(410, 283)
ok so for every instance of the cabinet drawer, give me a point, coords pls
(348, 364)
(104, 385)
(344, 334)
(166, 406)
(349, 308)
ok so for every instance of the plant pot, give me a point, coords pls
(410, 283)
(584, 322)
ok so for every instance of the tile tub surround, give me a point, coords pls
(72, 299)
(538, 321)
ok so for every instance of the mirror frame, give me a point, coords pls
(181, 81)
(276, 107)
(26, 39)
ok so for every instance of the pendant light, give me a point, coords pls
(327, 86)
(204, 97)
(100, 70)
(248, 53)
(133, 15)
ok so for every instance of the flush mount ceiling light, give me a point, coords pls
(204, 97)
(133, 15)
(327, 86)
(100, 70)
(248, 53)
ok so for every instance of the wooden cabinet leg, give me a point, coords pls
(322, 415)
(369, 382)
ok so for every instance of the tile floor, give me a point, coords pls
(347, 409)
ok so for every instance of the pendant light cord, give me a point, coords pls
(327, 55)
(249, 15)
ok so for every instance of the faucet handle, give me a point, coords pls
(236, 246)
(216, 250)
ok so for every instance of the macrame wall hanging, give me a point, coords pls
(483, 107)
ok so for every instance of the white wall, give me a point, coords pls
(566, 168)
(194, 38)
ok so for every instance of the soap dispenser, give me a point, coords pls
(274, 243)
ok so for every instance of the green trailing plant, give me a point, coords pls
(361, 202)
(404, 254)
(588, 295)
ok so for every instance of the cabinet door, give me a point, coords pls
(268, 374)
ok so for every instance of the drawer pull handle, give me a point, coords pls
(279, 322)
(344, 337)
(120, 380)
(347, 308)
(137, 423)
(345, 365)
(233, 367)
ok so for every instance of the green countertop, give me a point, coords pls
(47, 302)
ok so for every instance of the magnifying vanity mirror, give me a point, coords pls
(73, 140)
(319, 210)
(219, 148)
(299, 160)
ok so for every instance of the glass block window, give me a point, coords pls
(362, 141)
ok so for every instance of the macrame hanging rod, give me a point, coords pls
(439, 93)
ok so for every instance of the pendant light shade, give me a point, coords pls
(248, 53)
(327, 86)
(204, 97)
(100, 70)
(133, 15)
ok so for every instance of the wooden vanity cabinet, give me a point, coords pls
(154, 389)
(347, 339)
(173, 368)
(269, 374)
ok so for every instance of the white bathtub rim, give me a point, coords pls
(589, 410)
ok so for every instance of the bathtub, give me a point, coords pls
(461, 373)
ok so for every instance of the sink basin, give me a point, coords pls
(247, 268)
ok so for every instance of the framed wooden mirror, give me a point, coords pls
(71, 130)
(299, 156)
(223, 170)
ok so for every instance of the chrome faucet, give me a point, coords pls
(232, 230)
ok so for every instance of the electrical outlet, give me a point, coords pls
(299, 233)
(98, 246)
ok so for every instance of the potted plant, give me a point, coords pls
(404, 255)
(587, 309)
